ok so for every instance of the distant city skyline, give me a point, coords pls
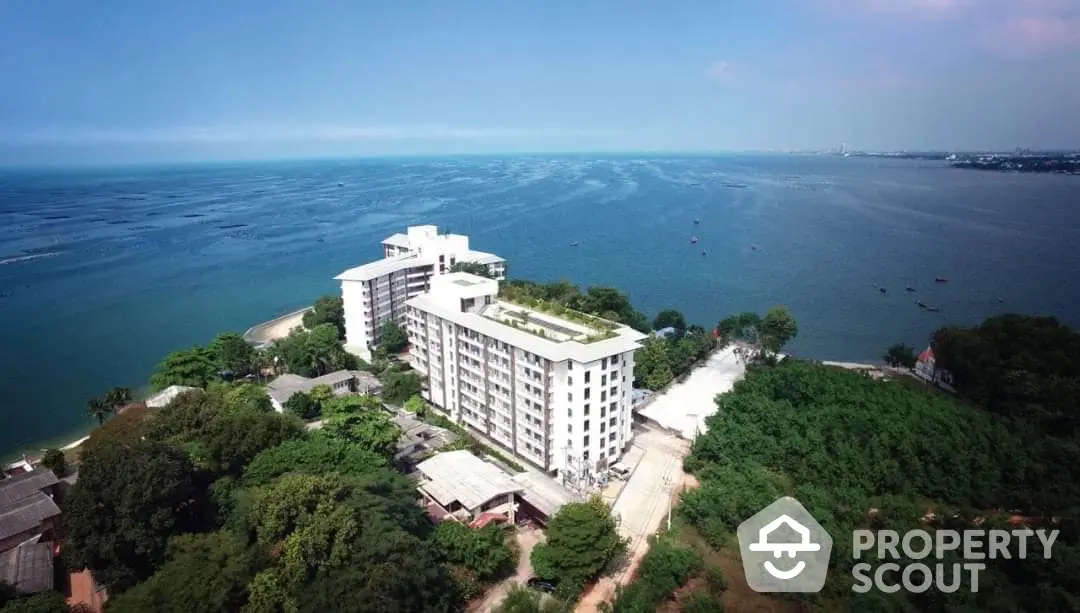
(128, 82)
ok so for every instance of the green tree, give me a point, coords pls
(302, 405)
(316, 454)
(313, 352)
(393, 338)
(204, 573)
(778, 327)
(99, 410)
(669, 319)
(352, 403)
(126, 428)
(473, 268)
(416, 405)
(900, 356)
(232, 439)
(321, 394)
(247, 396)
(55, 461)
(327, 310)
(484, 552)
(44, 602)
(369, 430)
(581, 539)
(652, 364)
(194, 367)
(399, 387)
(117, 397)
(129, 500)
(232, 353)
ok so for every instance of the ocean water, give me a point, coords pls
(105, 271)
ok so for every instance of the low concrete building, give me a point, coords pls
(27, 508)
(419, 438)
(461, 485)
(465, 486)
(341, 382)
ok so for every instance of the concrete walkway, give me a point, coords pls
(275, 329)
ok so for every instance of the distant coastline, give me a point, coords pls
(1048, 164)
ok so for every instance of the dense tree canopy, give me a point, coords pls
(664, 569)
(661, 359)
(204, 573)
(314, 352)
(760, 337)
(316, 454)
(1016, 365)
(371, 430)
(843, 443)
(232, 353)
(392, 338)
(900, 356)
(400, 386)
(327, 310)
(44, 602)
(581, 539)
(194, 367)
(484, 552)
(129, 500)
(670, 319)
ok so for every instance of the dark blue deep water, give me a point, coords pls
(106, 271)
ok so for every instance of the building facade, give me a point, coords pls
(375, 293)
(551, 386)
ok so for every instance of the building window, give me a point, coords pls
(586, 442)
(603, 411)
(569, 380)
(585, 456)
(569, 428)
(587, 393)
(611, 437)
(614, 406)
(569, 366)
(587, 373)
(570, 395)
(603, 363)
(612, 452)
(603, 379)
(586, 436)
(603, 427)
(603, 396)
(586, 410)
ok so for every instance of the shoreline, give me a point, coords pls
(72, 444)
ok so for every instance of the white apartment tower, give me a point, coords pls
(376, 292)
(551, 386)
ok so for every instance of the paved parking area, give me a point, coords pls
(684, 406)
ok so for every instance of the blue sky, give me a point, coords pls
(146, 81)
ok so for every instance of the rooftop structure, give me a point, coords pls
(458, 480)
(550, 385)
(376, 292)
(341, 382)
(27, 509)
(167, 395)
(418, 438)
(28, 568)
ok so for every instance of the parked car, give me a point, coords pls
(539, 584)
(619, 471)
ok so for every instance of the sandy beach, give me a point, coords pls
(276, 328)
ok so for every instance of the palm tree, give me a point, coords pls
(118, 397)
(99, 409)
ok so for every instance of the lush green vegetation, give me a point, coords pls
(862, 453)
(759, 338)
(327, 310)
(657, 363)
(665, 568)
(392, 338)
(901, 356)
(45, 602)
(582, 539)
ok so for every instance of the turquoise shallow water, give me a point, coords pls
(106, 271)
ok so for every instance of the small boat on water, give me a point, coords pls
(883, 290)
(697, 221)
(693, 240)
(1000, 300)
(574, 243)
(932, 309)
(940, 280)
(754, 247)
(909, 289)
(704, 253)
(920, 304)
(341, 185)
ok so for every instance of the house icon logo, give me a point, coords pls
(784, 527)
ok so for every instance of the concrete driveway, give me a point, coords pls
(527, 538)
(642, 505)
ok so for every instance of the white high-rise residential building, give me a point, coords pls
(550, 385)
(376, 292)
